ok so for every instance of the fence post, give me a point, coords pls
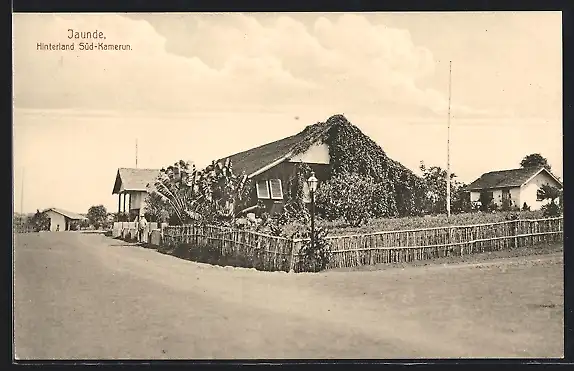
(515, 231)
(449, 246)
(292, 262)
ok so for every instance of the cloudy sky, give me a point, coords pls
(202, 86)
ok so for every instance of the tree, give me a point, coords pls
(39, 221)
(434, 178)
(97, 215)
(214, 194)
(157, 210)
(551, 193)
(84, 224)
(535, 160)
(121, 217)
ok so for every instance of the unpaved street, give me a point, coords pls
(82, 296)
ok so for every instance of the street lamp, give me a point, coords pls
(312, 183)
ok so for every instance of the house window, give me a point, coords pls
(263, 189)
(506, 194)
(276, 189)
(270, 189)
(539, 196)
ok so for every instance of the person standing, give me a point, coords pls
(142, 229)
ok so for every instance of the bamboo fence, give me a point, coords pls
(23, 229)
(229, 246)
(431, 243)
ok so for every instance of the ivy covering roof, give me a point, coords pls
(350, 150)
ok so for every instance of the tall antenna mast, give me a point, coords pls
(448, 144)
(22, 194)
(136, 153)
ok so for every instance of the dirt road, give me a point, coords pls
(80, 296)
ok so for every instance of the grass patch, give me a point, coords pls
(421, 222)
(340, 227)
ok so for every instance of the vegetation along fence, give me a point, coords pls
(23, 229)
(226, 246)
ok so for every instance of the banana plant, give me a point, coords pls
(211, 194)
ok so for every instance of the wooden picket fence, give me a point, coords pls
(229, 246)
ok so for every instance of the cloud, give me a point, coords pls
(182, 62)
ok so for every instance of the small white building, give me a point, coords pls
(519, 186)
(60, 219)
(133, 185)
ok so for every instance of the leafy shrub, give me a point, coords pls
(525, 207)
(486, 200)
(551, 210)
(351, 197)
(555, 197)
(84, 224)
(313, 257)
(39, 221)
(492, 206)
(475, 206)
(506, 205)
(512, 216)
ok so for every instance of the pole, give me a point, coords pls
(448, 144)
(22, 194)
(312, 220)
(136, 153)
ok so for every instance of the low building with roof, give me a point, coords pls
(60, 220)
(133, 183)
(518, 186)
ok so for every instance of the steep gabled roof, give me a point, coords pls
(252, 160)
(134, 179)
(507, 178)
(67, 214)
(256, 158)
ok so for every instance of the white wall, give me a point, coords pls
(515, 197)
(56, 219)
(316, 154)
(528, 191)
(135, 200)
(474, 196)
(497, 196)
(138, 201)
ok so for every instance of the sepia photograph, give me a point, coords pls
(287, 186)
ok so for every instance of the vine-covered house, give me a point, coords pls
(278, 170)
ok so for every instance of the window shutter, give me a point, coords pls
(276, 189)
(262, 189)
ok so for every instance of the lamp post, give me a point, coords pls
(312, 182)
